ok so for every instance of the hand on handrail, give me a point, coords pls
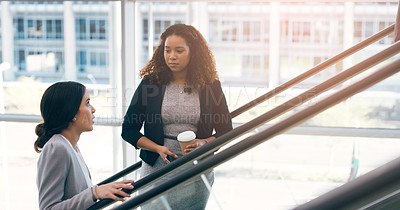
(111, 190)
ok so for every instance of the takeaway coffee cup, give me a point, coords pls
(185, 138)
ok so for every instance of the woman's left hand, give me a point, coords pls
(197, 143)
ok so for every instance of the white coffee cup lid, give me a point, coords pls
(186, 136)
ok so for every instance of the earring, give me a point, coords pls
(74, 119)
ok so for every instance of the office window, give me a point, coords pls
(251, 31)
(157, 28)
(306, 32)
(38, 28)
(92, 61)
(238, 31)
(256, 62)
(358, 31)
(296, 31)
(225, 31)
(246, 31)
(35, 29)
(31, 29)
(266, 63)
(80, 25)
(284, 30)
(382, 24)
(102, 59)
(265, 33)
(312, 31)
(91, 29)
(59, 29)
(45, 61)
(49, 29)
(213, 31)
(161, 25)
(369, 28)
(60, 60)
(300, 31)
(254, 66)
(324, 32)
(257, 31)
(34, 60)
(81, 60)
(54, 29)
(19, 23)
(364, 28)
(19, 60)
(102, 29)
(293, 65)
(234, 31)
(145, 29)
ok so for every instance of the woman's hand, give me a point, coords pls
(148, 144)
(163, 151)
(197, 143)
(110, 190)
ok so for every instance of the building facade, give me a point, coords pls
(261, 44)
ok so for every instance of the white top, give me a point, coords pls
(82, 163)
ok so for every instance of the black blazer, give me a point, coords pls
(145, 108)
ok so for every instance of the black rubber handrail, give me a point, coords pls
(262, 136)
(241, 130)
(287, 85)
(122, 173)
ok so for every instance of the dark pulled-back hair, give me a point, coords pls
(59, 105)
(201, 68)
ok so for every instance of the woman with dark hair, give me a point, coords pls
(180, 91)
(63, 178)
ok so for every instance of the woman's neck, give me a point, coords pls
(179, 78)
(71, 137)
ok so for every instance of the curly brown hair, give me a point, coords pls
(201, 68)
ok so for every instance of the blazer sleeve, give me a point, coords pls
(222, 118)
(53, 167)
(135, 116)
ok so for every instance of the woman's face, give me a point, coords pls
(176, 53)
(84, 117)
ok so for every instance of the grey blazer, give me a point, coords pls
(60, 179)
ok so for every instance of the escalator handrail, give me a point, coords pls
(262, 136)
(122, 173)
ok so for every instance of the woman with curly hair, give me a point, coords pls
(179, 91)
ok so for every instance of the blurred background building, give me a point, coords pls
(254, 43)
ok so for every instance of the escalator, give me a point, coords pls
(196, 163)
